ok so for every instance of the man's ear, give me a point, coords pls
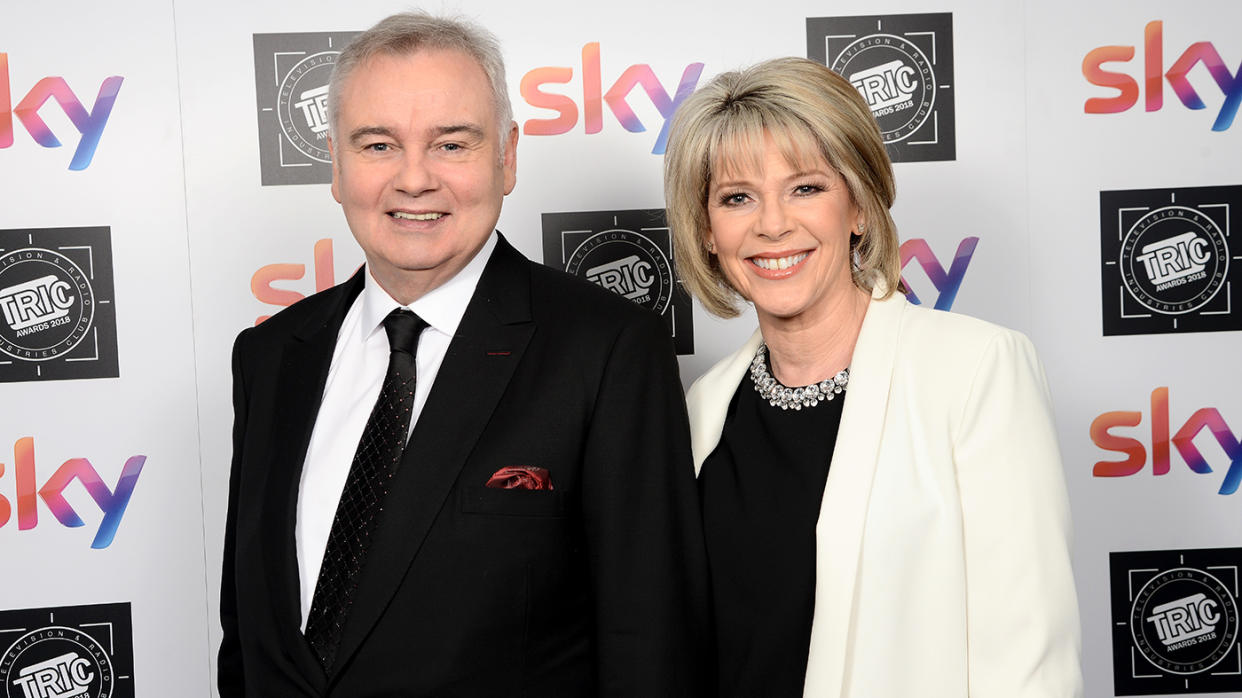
(509, 161)
(336, 171)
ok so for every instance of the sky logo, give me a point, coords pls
(594, 97)
(111, 501)
(1154, 75)
(262, 280)
(1183, 440)
(945, 282)
(90, 124)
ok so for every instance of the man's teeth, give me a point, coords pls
(416, 216)
(773, 264)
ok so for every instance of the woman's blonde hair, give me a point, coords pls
(804, 108)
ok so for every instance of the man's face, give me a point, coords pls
(416, 166)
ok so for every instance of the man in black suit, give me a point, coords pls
(539, 533)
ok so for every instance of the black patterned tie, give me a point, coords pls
(375, 461)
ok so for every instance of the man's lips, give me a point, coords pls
(778, 266)
(417, 216)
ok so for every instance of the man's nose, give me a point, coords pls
(414, 177)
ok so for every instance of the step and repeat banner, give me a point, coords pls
(1072, 170)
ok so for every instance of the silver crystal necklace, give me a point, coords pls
(786, 398)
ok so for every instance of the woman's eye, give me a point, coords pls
(808, 189)
(733, 199)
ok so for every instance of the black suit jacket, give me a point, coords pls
(594, 588)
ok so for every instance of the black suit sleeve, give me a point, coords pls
(643, 527)
(230, 678)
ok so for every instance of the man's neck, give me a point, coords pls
(408, 285)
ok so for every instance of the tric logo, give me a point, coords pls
(90, 124)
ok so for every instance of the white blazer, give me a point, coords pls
(942, 547)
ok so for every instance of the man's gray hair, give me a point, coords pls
(406, 33)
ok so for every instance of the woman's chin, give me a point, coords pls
(780, 311)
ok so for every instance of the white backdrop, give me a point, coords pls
(177, 178)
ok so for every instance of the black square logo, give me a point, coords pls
(77, 651)
(1175, 621)
(291, 74)
(902, 65)
(1168, 261)
(57, 320)
(627, 252)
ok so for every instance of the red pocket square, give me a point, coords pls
(521, 477)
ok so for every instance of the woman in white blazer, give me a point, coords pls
(896, 525)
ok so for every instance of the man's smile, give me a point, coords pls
(407, 216)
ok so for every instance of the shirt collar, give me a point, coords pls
(442, 308)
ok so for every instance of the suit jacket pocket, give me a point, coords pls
(514, 502)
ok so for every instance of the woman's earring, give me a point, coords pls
(711, 247)
(862, 228)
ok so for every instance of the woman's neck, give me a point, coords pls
(813, 347)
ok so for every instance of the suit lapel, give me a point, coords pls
(843, 512)
(481, 358)
(303, 372)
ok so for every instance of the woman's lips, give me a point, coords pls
(779, 266)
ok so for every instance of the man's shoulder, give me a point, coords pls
(319, 307)
(558, 294)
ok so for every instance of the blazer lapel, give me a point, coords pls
(476, 370)
(303, 373)
(843, 512)
(710, 395)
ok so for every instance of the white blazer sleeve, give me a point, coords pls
(1023, 638)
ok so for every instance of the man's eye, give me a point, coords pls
(376, 147)
(451, 147)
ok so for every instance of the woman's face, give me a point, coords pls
(782, 234)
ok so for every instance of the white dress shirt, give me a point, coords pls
(359, 363)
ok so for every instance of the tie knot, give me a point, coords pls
(403, 328)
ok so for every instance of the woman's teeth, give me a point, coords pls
(777, 263)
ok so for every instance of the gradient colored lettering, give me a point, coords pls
(89, 124)
(261, 282)
(6, 509)
(1154, 77)
(948, 282)
(1183, 441)
(1136, 455)
(594, 97)
(111, 501)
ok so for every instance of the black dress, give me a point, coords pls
(761, 490)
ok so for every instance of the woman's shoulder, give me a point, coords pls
(948, 344)
(725, 373)
(925, 328)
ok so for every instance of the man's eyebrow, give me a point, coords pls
(363, 131)
(471, 130)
